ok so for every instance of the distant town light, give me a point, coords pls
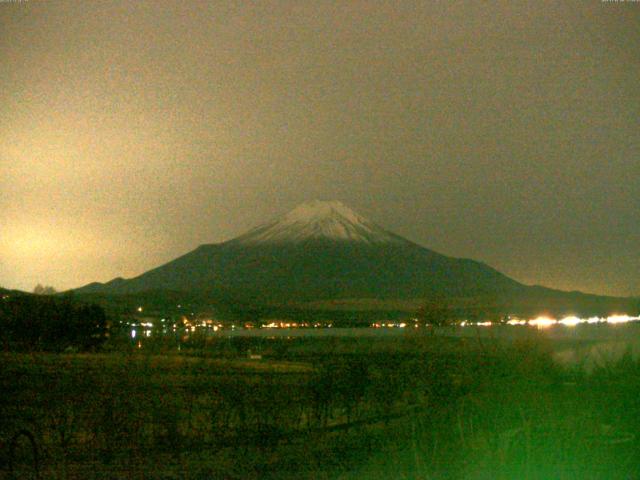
(542, 322)
(621, 319)
(571, 321)
(516, 321)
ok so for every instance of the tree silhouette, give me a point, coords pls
(29, 322)
(44, 290)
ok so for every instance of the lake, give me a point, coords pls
(584, 344)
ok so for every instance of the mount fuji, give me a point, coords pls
(319, 250)
(324, 251)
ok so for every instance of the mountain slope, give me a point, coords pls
(317, 270)
(319, 250)
(325, 251)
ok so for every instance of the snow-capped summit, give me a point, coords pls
(316, 220)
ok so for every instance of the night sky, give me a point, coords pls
(132, 132)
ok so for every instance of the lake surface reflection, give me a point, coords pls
(584, 344)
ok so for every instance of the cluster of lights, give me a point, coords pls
(517, 321)
(184, 323)
(572, 321)
(569, 321)
(465, 323)
(538, 322)
(284, 325)
(280, 324)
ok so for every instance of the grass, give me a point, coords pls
(465, 410)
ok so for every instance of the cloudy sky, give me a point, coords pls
(507, 132)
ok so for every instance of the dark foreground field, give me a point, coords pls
(423, 408)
